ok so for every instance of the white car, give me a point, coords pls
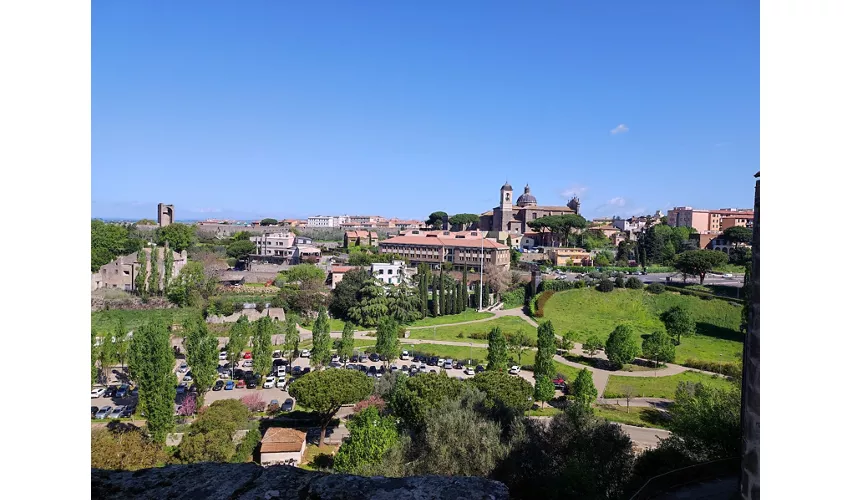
(270, 382)
(305, 353)
(187, 378)
(96, 393)
(405, 355)
(469, 371)
(248, 363)
(281, 383)
(276, 354)
(440, 361)
(727, 275)
(335, 358)
(281, 371)
(447, 364)
(222, 356)
(183, 368)
(514, 370)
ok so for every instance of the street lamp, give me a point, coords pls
(481, 277)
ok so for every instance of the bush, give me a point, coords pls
(619, 282)
(514, 298)
(702, 295)
(733, 370)
(634, 283)
(605, 285)
(541, 302)
(254, 401)
(246, 448)
(656, 288)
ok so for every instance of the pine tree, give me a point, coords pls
(153, 278)
(465, 291)
(141, 278)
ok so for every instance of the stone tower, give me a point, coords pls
(750, 390)
(506, 206)
(575, 204)
(164, 214)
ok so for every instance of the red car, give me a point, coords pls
(560, 383)
(247, 355)
(240, 384)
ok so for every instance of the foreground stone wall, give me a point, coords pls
(751, 394)
(250, 481)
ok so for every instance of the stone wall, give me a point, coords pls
(250, 481)
(252, 314)
(750, 404)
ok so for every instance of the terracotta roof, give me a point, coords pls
(282, 440)
(342, 269)
(361, 234)
(554, 208)
(438, 241)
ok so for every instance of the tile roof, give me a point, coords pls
(282, 440)
(342, 269)
(441, 241)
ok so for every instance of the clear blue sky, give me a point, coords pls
(268, 108)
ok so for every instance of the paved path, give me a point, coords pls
(642, 437)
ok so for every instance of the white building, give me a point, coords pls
(283, 246)
(282, 446)
(393, 273)
(326, 220)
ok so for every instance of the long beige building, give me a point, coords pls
(461, 248)
(121, 273)
(706, 220)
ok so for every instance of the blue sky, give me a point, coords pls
(264, 108)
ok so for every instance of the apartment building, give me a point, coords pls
(282, 247)
(739, 220)
(462, 248)
(326, 220)
(393, 273)
(569, 256)
(704, 220)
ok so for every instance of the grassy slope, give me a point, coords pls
(660, 387)
(508, 324)
(103, 321)
(468, 315)
(637, 416)
(582, 313)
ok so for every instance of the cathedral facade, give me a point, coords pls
(514, 218)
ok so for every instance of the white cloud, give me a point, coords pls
(205, 210)
(619, 206)
(619, 129)
(574, 190)
(619, 201)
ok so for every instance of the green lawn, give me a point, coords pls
(567, 371)
(543, 412)
(508, 324)
(637, 416)
(578, 314)
(468, 315)
(103, 321)
(660, 387)
(479, 355)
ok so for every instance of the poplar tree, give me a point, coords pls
(169, 267)
(497, 350)
(152, 365)
(320, 355)
(346, 345)
(201, 353)
(141, 278)
(153, 278)
(291, 337)
(544, 367)
(262, 346)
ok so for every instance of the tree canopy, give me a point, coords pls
(345, 295)
(201, 353)
(659, 347)
(179, 236)
(325, 391)
(738, 234)
(699, 262)
(559, 225)
(463, 220)
(435, 220)
(241, 249)
(497, 350)
(151, 366)
(412, 397)
(505, 394)
(371, 437)
(678, 321)
(583, 390)
(621, 347)
(268, 222)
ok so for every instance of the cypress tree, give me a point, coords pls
(423, 290)
(486, 294)
(153, 278)
(169, 267)
(459, 308)
(141, 278)
(465, 291)
(442, 292)
(435, 302)
(450, 306)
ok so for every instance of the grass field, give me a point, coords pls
(107, 321)
(578, 314)
(468, 315)
(543, 412)
(477, 354)
(508, 324)
(660, 387)
(637, 416)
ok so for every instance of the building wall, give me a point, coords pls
(436, 254)
(751, 391)
(267, 459)
(121, 273)
(165, 214)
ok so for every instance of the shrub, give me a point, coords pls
(246, 448)
(372, 400)
(733, 370)
(541, 302)
(254, 401)
(634, 283)
(460, 335)
(605, 285)
(619, 282)
(514, 298)
(656, 288)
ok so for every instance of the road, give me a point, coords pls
(736, 280)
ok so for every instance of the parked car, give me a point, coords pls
(374, 357)
(479, 369)
(128, 411)
(251, 383)
(382, 369)
(246, 355)
(296, 371)
(422, 366)
(281, 383)
(362, 358)
(279, 362)
(240, 384)
(222, 355)
(372, 371)
(186, 378)
(276, 354)
(432, 371)
(103, 412)
(183, 368)
(448, 364)
(288, 405)
(469, 371)
(514, 370)
(225, 374)
(248, 363)
(274, 406)
(122, 391)
(219, 385)
(560, 383)
(116, 412)
(269, 383)
(335, 358)
(94, 410)
(440, 362)
(413, 370)
(238, 374)
(459, 365)
(228, 386)
(181, 389)
(110, 391)
(97, 392)
(305, 371)
(281, 371)
(305, 353)
(393, 368)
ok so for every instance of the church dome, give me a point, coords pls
(507, 187)
(527, 199)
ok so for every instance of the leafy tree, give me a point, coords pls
(583, 390)
(412, 397)
(304, 272)
(245, 449)
(291, 337)
(240, 333)
(107, 242)
(544, 388)
(320, 354)
(387, 343)
(105, 357)
(168, 268)
(621, 347)
(241, 249)
(619, 282)
(699, 262)
(346, 345)
(625, 249)
(191, 285)
(659, 347)
(497, 350)
(371, 437)
(505, 394)
(707, 420)
(325, 391)
(518, 343)
(544, 366)
(151, 364)
(678, 321)
(605, 285)
(153, 276)
(373, 304)
(559, 225)
(738, 234)
(592, 345)
(403, 303)
(241, 235)
(463, 220)
(574, 455)
(141, 277)
(435, 220)
(124, 449)
(179, 236)
(268, 222)
(603, 259)
(210, 437)
(634, 283)
(262, 345)
(122, 343)
(94, 352)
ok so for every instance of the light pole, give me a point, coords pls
(481, 276)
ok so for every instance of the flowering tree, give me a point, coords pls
(254, 401)
(372, 400)
(188, 407)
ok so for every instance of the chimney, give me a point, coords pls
(445, 223)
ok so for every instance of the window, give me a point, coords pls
(389, 271)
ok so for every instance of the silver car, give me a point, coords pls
(116, 412)
(103, 412)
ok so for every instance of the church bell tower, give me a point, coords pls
(506, 207)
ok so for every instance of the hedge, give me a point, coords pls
(541, 302)
(702, 295)
(587, 269)
(656, 288)
(514, 298)
(733, 370)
